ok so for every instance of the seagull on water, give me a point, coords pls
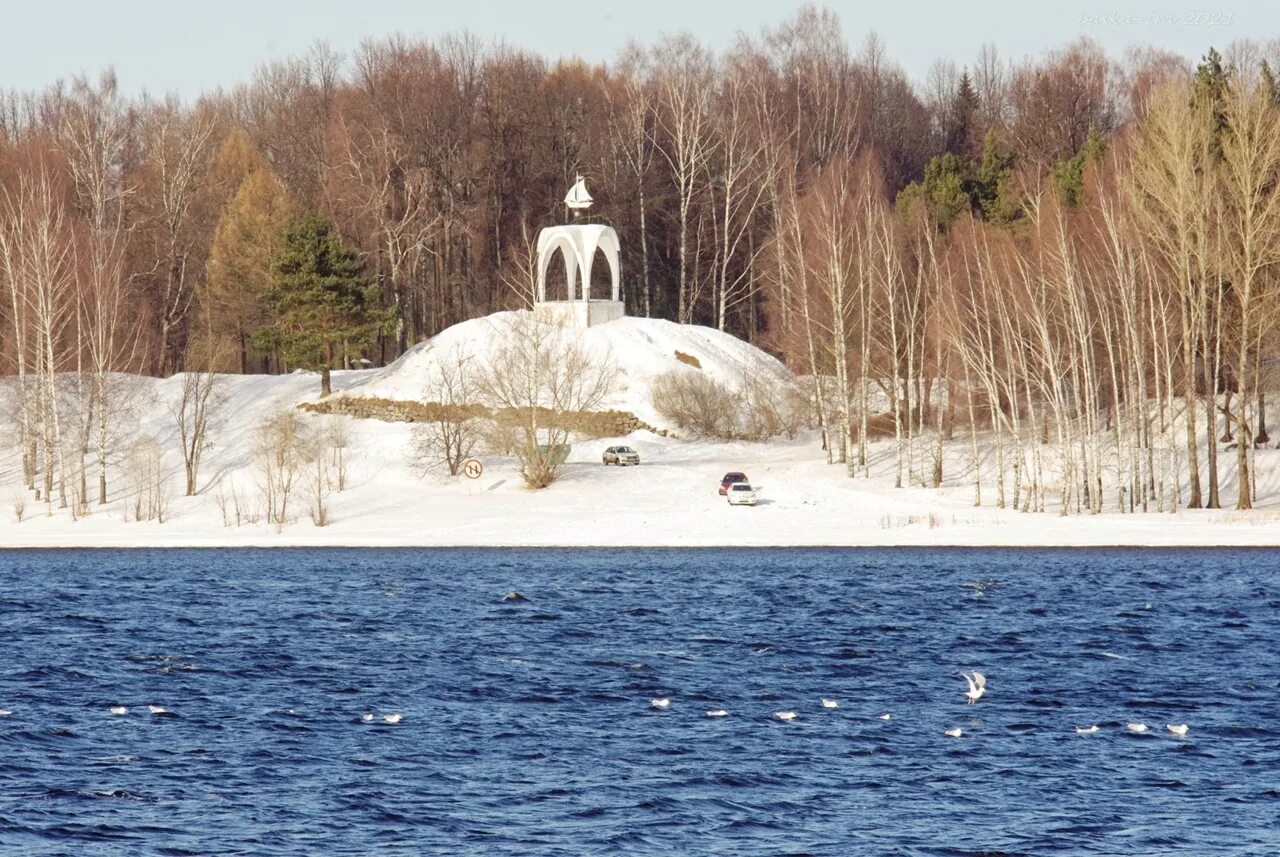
(977, 686)
(1137, 728)
(785, 716)
(1179, 729)
(660, 702)
(717, 712)
(118, 710)
(393, 718)
(367, 717)
(4, 712)
(886, 716)
(830, 703)
(1086, 730)
(157, 709)
(954, 732)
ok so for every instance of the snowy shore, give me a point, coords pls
(671, 499)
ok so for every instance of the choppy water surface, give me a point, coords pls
(527, 727)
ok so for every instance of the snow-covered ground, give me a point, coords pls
(670, 499)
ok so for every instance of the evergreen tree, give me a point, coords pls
(991, 191)
(964, 116)
(1211, 86)
(319, 297)
(1270, 85)
(1069, 174)
(945, 188)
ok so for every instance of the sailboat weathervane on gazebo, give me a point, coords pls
(579, 244)
(577, 199)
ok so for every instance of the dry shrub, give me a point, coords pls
(537, 371)
(760, 409)
(447, 439)
(695, 403)
(336, 435)
(498, 438)
(283, 447)
(146, 469)
(771, 408)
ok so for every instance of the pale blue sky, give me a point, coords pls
(161, 46)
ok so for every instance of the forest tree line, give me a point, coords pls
(1074, 250)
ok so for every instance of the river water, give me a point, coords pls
(526, 725)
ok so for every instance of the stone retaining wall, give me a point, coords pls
(590, 423)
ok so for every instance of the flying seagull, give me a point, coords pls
(977, 686)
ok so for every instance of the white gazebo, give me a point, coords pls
(578, 244)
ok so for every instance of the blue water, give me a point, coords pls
(527, 727)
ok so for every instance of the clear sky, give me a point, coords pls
(177, 45)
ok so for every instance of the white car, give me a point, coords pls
(741, 494)
(620, 455)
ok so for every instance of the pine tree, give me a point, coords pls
(319, 297)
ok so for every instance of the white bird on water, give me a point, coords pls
(886, 716)
(977, 686)
(954, 732)
(660, 702)
(717, 712)
(393, 718)
(1086, 730)
(118, 710)
(830, 703)
(785, 716)
(1137, 728)
(1179, 729)
(4, 712)
(157, 709)
(367, 717)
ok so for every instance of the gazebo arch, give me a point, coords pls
(578, 244)
(546, 252)
(607, 244)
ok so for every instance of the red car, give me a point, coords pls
(730, 479)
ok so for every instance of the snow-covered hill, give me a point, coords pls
(641, 348)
